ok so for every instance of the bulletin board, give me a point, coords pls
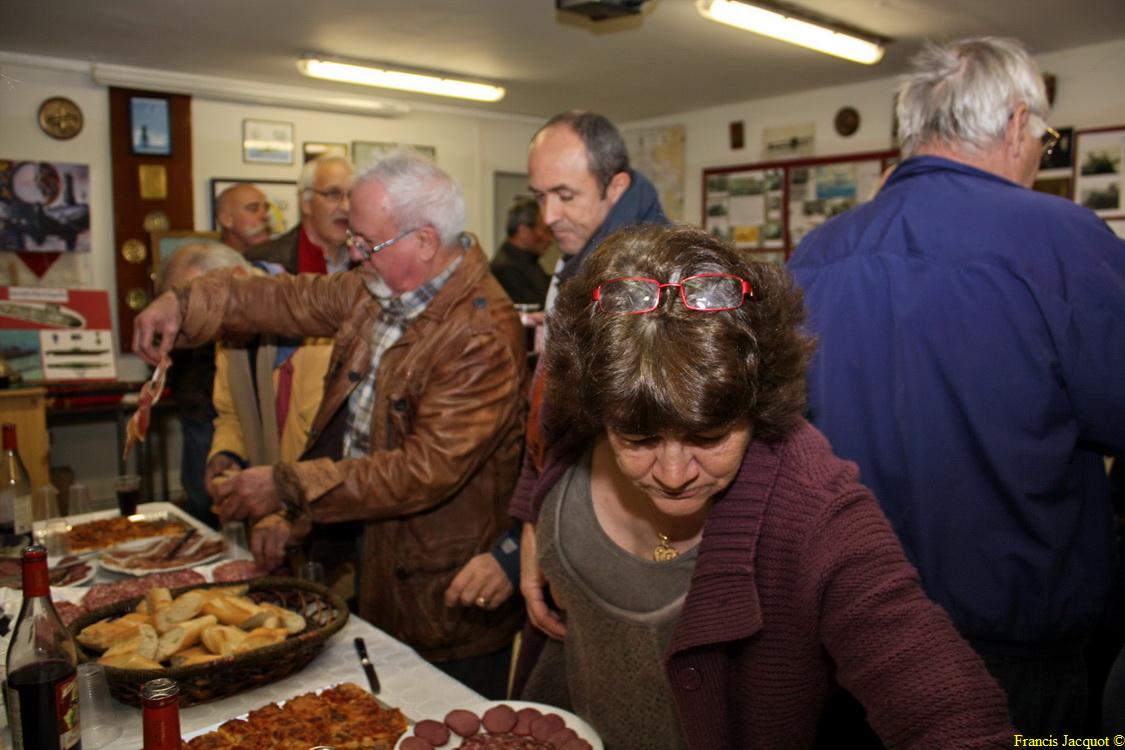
(768, 207)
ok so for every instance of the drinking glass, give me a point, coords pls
(128, 488)
(100, 722)
(46, 503)
(78, 500)
(234, 541)
(311, 570)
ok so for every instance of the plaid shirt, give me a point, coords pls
(389, 326)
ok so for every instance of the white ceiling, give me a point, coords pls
(669, 59)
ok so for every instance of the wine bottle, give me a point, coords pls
(42, 689)
(161, 714)
(15, 487)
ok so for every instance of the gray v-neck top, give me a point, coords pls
(620, 611)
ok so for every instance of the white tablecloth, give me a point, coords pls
(408, 681)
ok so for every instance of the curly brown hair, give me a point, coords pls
(676, 369)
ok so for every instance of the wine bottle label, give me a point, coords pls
(30, 700)
(66, 692)
(21, 511)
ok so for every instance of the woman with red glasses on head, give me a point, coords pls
(707, 571)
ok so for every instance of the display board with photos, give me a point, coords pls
(1099, 171)
(769, 207)
(53, 335)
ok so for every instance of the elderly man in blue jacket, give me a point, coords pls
(972, 349)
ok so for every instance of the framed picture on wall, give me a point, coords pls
(1099, 171)
(311, 150)
(164, 244)
(267, 142)
(366, 153)
(282, 194)
(150, 126)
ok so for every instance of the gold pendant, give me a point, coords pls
(664, 551)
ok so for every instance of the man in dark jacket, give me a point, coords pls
(516, 263)
(578, 171)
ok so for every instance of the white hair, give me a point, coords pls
(963, 93)
(419, 193)
(308, 172)
(200, 257)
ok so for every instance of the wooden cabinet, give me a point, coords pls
(26, 409)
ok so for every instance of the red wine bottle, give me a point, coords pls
(42, 689)
(161, 714)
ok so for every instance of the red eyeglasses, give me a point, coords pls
(705, 292)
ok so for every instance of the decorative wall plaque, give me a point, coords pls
(156, 221)
(134, 251)
(136, 298)
(153, 179)
(60, 118)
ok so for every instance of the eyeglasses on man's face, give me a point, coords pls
(334, 195)
(367, 248)
(705, 292)
(1049, 138)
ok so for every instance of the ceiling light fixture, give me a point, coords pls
(785, 25)
(400, 80)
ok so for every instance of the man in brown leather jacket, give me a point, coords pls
(423, 399)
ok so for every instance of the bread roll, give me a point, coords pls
(183, 636)
(129, 661)
(236, 610)
(191, 656)
(105, 633)
(290, 620)
(182, 609)
(259, 638)
(222, 639)
(144, 643)
(157, 599)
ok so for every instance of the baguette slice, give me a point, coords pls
(130, 661)
(157, 599)
(237, 589)
(260, 638)
(106, 633)
(290, 620)
(222, 639)
(191, 656)
(183, 636)
(182, 608)
(144, 644)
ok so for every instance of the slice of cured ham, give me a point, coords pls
(150, 394)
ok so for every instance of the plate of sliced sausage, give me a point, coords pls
(503, 725)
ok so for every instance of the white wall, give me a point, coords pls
(1088, 95)
(470, 146)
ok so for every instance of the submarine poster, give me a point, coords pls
(44, 206)
(57, 335)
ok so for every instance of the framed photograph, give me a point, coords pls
(44, 206)
(285, 212)
(267, 142)
(150, 126)
(1062, 156)
(311, 150)
(1099, 171)
(366, 153)
(164, 244)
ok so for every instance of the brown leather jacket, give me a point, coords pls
(446, 425)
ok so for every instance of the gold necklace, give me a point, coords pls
(664, 551)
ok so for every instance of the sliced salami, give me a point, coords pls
(524, 717)
(464, 723)
(236, 570)
(105, 594)
(434, 732)
(503, 741)
(500, 718)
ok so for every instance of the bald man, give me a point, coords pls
(242, 213)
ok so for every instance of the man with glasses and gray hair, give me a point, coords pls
(971, 346)
(418, 435)
(316, 245)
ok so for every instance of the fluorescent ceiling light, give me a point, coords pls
(787, 27)
(400, 80)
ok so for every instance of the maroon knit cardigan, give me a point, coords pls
(800, 585)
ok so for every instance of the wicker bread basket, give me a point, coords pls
(325, 613)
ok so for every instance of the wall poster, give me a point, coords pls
(44, 206)
(57, 334)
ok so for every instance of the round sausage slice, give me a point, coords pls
(464, 723)
(434, 732)
(546, 725)
(415, 743)
(524, 717)
(499, 719)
